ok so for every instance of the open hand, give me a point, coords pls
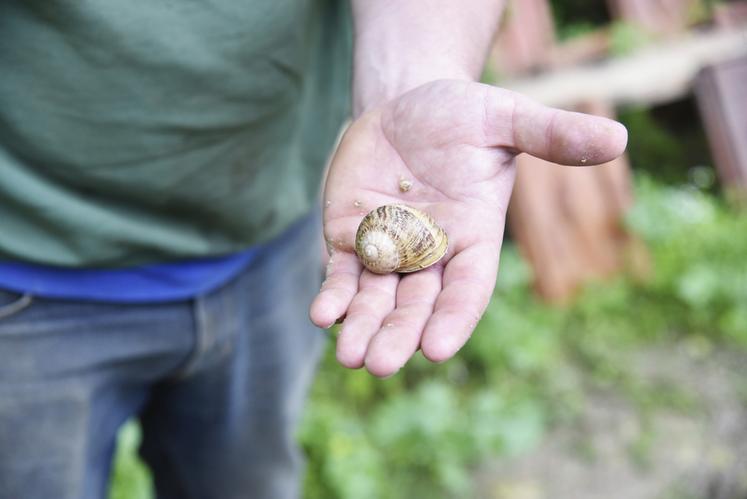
(456, 142)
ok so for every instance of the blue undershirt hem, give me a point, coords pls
(163, 282)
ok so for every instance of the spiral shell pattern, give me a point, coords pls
(398, 238)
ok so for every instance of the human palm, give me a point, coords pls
(455, 141)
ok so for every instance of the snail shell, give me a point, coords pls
(397, 238)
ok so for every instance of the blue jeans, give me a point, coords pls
(217, 382)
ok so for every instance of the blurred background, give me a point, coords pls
(612, 361)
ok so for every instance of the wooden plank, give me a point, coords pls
(525, 37)
(660, 73)
(594, 46)
(567, 221)
(731, 14)
(721, 93)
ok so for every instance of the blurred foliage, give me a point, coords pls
(626, 38)
(422, 432)
(575, 30)
(577, 17)
(669, 143)
(131, 477)
(703, 10)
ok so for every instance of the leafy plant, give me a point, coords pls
(626, 38)
(131, 478)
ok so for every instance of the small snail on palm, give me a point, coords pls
(398, 238)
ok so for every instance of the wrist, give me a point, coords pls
(373, 86)
(402, 44)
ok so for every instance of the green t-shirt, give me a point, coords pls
(153, 130)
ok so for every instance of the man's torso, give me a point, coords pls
(135, 132)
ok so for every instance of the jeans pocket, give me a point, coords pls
(12, 303)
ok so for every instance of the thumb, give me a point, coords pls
(554, 135)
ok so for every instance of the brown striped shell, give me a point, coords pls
(397, 238)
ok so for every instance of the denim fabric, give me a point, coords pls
(218, 383)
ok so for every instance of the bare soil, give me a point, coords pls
(616, 449)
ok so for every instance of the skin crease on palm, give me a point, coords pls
(457, 142)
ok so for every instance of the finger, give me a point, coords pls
(554, 135)
(338, 289)
(469, 279)
(375, 299)
(399, 337)
(340, 232)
